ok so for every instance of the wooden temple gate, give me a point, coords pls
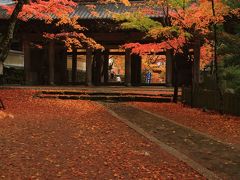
(48, 65)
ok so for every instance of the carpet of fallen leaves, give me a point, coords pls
(222, 127)
(69, 139)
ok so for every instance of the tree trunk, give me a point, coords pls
(175, 71)
(216, 62)
(8, 36)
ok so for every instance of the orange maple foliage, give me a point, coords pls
(43, 10)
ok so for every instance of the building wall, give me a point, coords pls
(15, 59)
(13, 70)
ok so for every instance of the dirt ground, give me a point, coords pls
(68, 139)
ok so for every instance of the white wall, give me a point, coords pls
(15, 59)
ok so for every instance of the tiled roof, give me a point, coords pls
(3, 14)
(6, 2)
(104, 11)
(101, 11)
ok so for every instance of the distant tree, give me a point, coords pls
(228, 49)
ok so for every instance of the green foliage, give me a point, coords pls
(230, 66)
(231, 76)
(232, 3)
(237, 29)
(229, 44)
(167, 32)
(136, 21)
(180, 3)
(12, 76)
(231, 60)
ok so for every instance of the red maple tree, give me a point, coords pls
(57, 12)
(185, 25)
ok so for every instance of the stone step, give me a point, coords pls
(121, 98)
(101, 93)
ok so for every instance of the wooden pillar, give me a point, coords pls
(74, 65)
(101, 66)
(140, 70)
(51, 62)
(60, 65)
(27, 62)
(128, 67)
(98, 71)
(196, 62)
(169, 67)
(105, 66)
(65, 79)
(136, 69)
(89, 62)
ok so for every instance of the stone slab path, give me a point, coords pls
(219, 158)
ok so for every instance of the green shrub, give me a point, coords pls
(13, 76)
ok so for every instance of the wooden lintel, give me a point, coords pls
(110, 53)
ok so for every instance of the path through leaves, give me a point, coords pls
(223, 127)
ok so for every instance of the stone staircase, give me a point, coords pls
(105, 96)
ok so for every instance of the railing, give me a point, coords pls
(210, 99)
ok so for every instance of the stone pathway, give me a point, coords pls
(219, 158)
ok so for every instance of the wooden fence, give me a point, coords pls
(209, 99)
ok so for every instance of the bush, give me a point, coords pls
(12, 76)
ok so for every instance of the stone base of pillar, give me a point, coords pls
(89, 84)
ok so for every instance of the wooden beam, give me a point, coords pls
(110, 53)
(116, 36)
(115, 53)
